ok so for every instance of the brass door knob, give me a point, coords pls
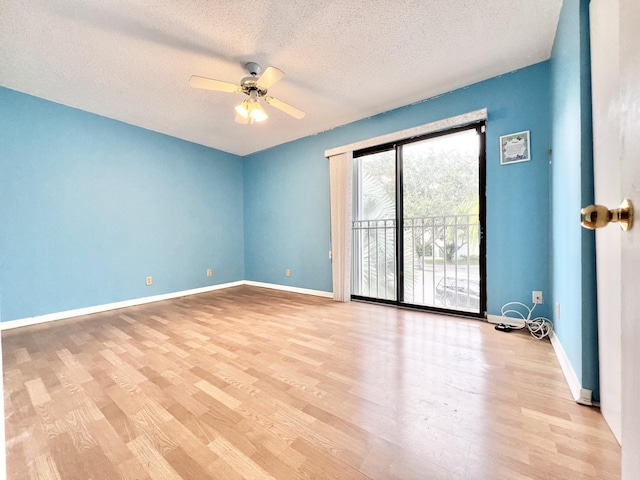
(598, 216)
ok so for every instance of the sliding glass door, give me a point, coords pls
(418, 222)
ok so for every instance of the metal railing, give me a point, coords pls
(441, 260)
(374, 258)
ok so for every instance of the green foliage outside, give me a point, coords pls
(436, 177)
(440, 180)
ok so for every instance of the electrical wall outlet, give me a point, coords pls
(149, 280)
(287, 272)
(536, 297)
(209, 272)
(557, 309)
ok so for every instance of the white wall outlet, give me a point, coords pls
(149, 280)
(209, 272)
(330, 255)
(287, 272)
(557, 309)
(536, 297)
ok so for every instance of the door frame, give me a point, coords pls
(480, 128)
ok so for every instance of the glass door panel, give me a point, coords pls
(441, 222)
(374, 226)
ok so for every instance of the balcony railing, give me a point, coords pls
(441, 260)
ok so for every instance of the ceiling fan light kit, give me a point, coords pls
(250, 110)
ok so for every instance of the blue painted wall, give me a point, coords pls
(90, 206)
(573, 248)
(286, 189)
(287, 215)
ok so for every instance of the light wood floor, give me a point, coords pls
(255, 383)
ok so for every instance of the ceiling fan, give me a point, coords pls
(255, 87)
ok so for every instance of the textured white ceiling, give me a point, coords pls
(345, 59)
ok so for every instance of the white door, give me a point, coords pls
(615, 42)
(608, 191)
(630, 176)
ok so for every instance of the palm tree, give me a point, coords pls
(374, 240)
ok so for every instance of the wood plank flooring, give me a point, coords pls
(263, 384)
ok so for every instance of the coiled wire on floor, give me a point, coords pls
(539, 327)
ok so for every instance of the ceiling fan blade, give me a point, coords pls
(210, 84)
(270, 76)
(285, 107)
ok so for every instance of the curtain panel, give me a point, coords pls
(341, 185)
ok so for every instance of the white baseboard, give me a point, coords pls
(305, 291)
(581, 395)
(25, 322)
(514, 322)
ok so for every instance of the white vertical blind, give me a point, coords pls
(341, 185)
